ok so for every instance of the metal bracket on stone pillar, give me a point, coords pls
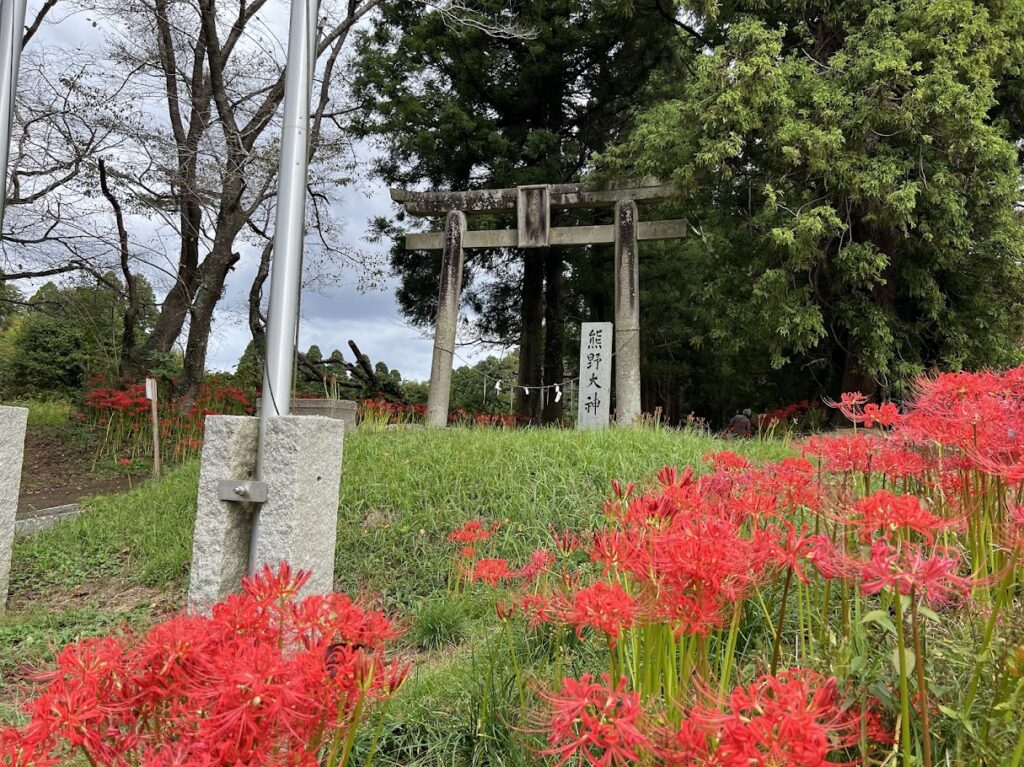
(439, 394)
(627, 313)
(242, 490)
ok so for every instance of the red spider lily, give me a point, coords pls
(849, 404)
(898, 462)
(783, 414)
(726, 460)
(621, 492)
(892, 514)
(686, 549)
(846, 453)
(825, 555)
(792, 482)
(886, 414)
(491, 571)
(540, 562)
(669, 476)
(537, 609)
(1013, 531)
(471, 532)
(791, 549)
(795, 718)
(566, 541)
(467, 552)
(906, 568)
(596, 723)
(604, 607)
(265, 680)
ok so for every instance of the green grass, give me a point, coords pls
(402, 492)
(45, 412)
(143, 536)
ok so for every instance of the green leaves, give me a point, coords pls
(863, 157)
(881, 618)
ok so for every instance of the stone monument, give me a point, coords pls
(594, 406)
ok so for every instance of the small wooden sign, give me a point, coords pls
(595, 375)
(152, 393)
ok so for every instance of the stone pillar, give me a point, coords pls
(220, 543)
(440, 391)
(627, 314)
(12, 450)
(298, 521)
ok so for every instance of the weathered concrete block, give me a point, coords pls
(297, 524)
(299, 521)
(220, 544)
(37, 521)
(340, 409)
(12, 450)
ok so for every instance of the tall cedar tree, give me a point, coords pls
(454, 108)
(852, 170)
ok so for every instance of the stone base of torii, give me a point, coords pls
(532, 206)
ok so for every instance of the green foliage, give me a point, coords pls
(64, 336)
(439, 623)
(455, 108)
(853, 183)
(143, 537)
(405, 490)
(473, 385)
(52, 413)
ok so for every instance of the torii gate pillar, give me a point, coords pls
(448, 295)
(627, 314)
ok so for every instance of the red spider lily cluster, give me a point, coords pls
(842, 556)
(124, 415)
(794, 718)
(267, 679)
(785, 416)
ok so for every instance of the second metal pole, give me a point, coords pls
(12, 31)
(286, 269)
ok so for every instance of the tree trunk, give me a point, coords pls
(210, 287)
(554, 334)
(531, 334)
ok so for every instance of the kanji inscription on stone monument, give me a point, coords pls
(595, 375)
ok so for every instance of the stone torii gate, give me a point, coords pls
(532, 206)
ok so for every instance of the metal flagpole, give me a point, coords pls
(12, 29)
(286, 269)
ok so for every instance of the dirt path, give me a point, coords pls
(58, 469)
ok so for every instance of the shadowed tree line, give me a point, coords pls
(850, 173)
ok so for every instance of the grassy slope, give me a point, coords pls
(402, 492)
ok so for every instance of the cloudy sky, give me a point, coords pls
(330, 316)
(333, 315)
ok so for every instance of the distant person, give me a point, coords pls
(739, 425)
